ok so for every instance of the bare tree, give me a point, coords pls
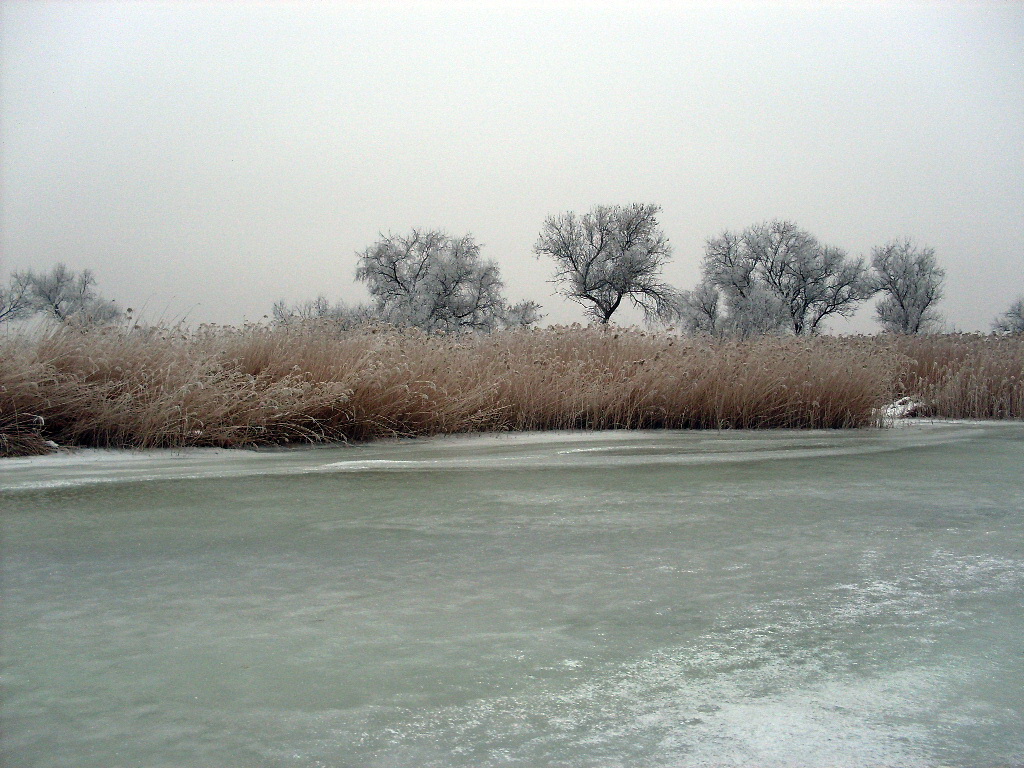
(608, 255)
(911, 280)
(777, 275)
(1012, 320)
(433, 281)
(69, 297)
(15, 297)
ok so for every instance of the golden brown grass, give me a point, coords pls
(965, 376)
(261, 386)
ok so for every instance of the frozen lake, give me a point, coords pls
(612, 599)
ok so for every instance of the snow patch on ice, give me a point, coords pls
(904, 408)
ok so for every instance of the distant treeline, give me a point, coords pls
(772, 278)
(310, 381)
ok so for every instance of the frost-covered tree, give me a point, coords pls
(430, 280)
(756, 313)
(745, 307)
(776, 276)
(15, 297)
(610, 254)
(911, 281)
(69, 297)
(523, 314)
(708, 310)
(699, 310)
(1012, 320)
(321, 309)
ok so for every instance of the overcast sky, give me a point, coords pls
(206, 159)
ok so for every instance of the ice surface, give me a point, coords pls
(533, 450)
(577, 599)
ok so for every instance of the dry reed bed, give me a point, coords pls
(261, 386)
(965, 376)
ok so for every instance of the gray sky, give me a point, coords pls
(206, 159)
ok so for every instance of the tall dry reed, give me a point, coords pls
(310, 383)
(965, 376)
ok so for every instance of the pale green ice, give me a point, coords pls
(608, 599)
